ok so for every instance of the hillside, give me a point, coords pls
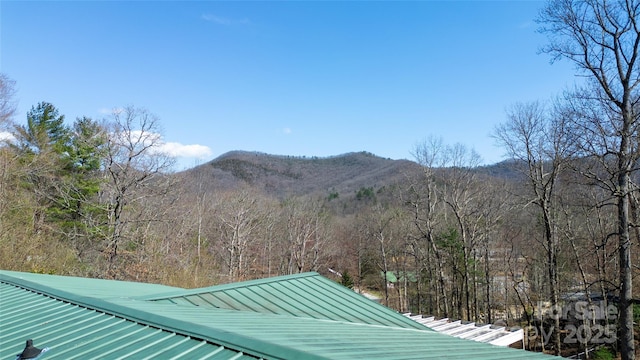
(283, 176)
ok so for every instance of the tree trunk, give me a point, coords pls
(624, 252)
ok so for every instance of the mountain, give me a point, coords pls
(341, 176)
(509, 170)
(284, 176)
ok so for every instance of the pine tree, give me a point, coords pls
(45, 131)
(347, 281)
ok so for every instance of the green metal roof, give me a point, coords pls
(329, 339)
(307, 295)
(97, 288)
(72, 331)
(293, 317)
(394, 277)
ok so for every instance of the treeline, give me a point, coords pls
(68, 191)
(97, 198)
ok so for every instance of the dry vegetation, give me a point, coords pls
(441, 235)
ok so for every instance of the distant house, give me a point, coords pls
(303, 316)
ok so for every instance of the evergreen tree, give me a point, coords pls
(45, 131)
(347, 281)
(80, 178)
(77, 210)
(42, 145)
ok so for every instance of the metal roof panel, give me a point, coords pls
(308, 295)
(75, 332)
(98, 288)
(298, 317)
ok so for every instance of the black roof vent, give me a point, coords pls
(31, 352)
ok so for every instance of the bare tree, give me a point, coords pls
(602, 39)
(8, 159)
(492, 208)
(461, 192)
(7, 111)
(383, 230)
(424, 204)
(240, 215)
(306, 232)
(7, 101)
(540, 143)
(134, 167)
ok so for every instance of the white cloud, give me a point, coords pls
(287, 131)
(6, 136)
(175, 149)
(172, 149)
(222, 20)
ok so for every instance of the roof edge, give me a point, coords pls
(213, 335)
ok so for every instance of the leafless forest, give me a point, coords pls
(516, 242)
(441, 235)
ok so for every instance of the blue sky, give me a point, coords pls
(304, 78)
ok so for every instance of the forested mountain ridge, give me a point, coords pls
(282, 176)
(341, 175)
